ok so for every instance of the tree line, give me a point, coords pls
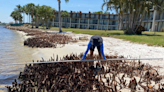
(38, 14)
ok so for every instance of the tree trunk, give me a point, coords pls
(29, 18)
(153, 24)
(65, 22)
(59, 18)
(24, 17)
(47, 24)
(36, 21)
(32, 19)
(140, 21)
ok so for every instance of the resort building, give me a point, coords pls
(104, 21)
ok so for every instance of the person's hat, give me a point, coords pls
(96, 40)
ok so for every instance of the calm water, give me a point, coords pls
(12, 51)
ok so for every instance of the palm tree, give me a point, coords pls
(49, 15)
(64, 14)
(19, 8)
(37, 15)
(30, 9)
(60, 15)
(16, 16)
(24, 12)
(135, 11)
(41, 13)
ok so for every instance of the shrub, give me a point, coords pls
(50, 26)
(25, 25)
(139, 30)
(162, 29)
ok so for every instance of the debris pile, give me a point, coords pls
(100, 76)
(43, 39)
(48, 40)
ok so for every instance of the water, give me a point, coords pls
(13, 51)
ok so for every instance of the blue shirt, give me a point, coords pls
(88, 48)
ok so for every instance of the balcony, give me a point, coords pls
(84, 16)
(75, 21)
(83, 21)
(103, 16)
(94, 16)
(83, 26)
(75, 16)
(93, 21)
(92, 27)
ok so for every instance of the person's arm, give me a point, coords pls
(102, 50)
(89, 45)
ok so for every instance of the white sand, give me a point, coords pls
(112, 46)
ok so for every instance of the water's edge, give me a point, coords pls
(12, 50)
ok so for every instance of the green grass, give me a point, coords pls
(146, 38)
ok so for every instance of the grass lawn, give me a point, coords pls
(146, 37)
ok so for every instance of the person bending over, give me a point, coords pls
(95, 41)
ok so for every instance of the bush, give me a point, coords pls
(139, 30)
(25, 25)
(162, 29)
(50, 26)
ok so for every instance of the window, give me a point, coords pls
(56, 14)
(74, 15)
(77, 15)
(83, 26)
(86, 15)
(101, 22)
(111, 16)
(103, 16)
(163, 16)
(114, 23)
(114, 28)
(105, 22)
(56, 20)
(109, 28)
(94, 21)
(110, 22)
(56, 25)
(92, 16)
(116, 17)
(82, 21)
(83, 16)
(68, 20)
(91, 22)
(95, 16)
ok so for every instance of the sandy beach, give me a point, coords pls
(112, 46)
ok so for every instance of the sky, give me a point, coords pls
(7, 6)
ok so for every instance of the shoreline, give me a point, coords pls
(112, 46)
